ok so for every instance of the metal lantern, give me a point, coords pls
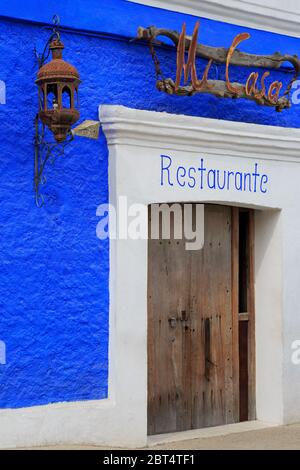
(58, 83)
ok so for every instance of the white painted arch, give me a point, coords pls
(136, 140)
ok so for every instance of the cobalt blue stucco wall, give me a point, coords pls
(54, 298)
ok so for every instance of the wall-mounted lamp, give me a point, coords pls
(58, 83)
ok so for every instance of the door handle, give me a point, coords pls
(172, 322)
(184, 316)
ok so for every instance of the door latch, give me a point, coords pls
(172, 322)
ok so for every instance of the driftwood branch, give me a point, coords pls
(218, 88)
(219, 54)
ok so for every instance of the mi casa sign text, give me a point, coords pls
(251, 88)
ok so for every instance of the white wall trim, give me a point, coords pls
(125, 126)
(277, 17)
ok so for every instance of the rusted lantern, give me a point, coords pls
(58, 83)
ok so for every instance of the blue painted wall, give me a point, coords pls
(54, 271)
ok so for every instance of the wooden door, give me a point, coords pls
(193, 343)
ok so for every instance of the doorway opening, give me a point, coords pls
(201, 345)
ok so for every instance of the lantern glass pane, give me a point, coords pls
(52, 95)
(66, 98)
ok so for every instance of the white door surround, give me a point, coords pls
(136, 140)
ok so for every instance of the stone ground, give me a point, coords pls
(281, 438)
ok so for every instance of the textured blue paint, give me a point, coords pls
(54, 271)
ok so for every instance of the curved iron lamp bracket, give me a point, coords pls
(45, 152)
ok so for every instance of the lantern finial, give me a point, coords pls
(56, 48)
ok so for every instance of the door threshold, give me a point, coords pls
(208, 432)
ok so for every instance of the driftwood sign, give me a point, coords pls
(255, 87)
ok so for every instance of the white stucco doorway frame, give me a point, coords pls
(136, 139)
